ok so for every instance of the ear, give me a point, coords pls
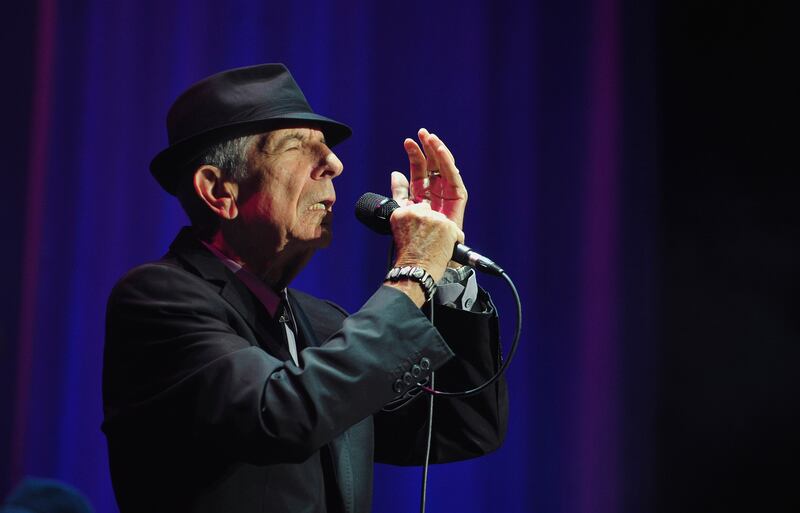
(216, 192)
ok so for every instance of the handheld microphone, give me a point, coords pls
(375, 210)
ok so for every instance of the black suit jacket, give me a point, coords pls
(204, 410)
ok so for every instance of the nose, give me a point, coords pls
(330, 167)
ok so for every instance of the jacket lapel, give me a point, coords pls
(197, 258)
(338, 454)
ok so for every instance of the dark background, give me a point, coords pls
(631, 164)
(728, 388)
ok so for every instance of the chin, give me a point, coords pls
(321, 239)
(325, 238)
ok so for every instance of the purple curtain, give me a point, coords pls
(548, 107)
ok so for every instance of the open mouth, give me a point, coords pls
(325, 210)
(324, 205)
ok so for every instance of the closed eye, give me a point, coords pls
(287, 142)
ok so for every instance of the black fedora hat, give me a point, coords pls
(230, 104)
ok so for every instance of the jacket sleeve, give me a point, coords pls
(181, 363)
(462, 427)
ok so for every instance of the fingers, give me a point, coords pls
(432, 159)
(446, 164)
(416, 160)
(400, 188)
(427, 141)
(450, 156)
(435, 177)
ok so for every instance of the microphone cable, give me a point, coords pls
(431, 390)
(428, 439)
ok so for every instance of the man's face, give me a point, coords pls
(286, 203)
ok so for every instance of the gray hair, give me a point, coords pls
(229, 156)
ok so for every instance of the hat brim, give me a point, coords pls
(168, 165)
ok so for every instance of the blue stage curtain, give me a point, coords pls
(548, 109)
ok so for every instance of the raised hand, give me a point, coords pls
(435, 179)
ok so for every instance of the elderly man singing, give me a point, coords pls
(226, 391)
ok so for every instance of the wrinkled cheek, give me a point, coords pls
(262, 222)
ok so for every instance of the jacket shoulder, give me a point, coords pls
(159, 278)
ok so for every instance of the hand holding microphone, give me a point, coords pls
(435, 181)
(423, 238)
(427, 226)
(376, 212)
(426, 219)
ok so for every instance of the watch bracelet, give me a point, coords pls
(413, 273)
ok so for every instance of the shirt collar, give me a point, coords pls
(268, 297)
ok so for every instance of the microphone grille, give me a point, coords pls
(374, 211)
